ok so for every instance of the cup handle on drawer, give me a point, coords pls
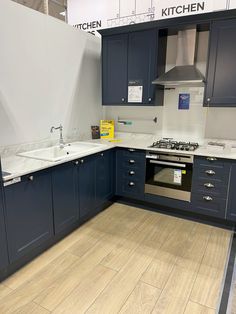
(131, 173)
(209, 185)
(211, 158)
(131, 184)
(131, 161)
(208, 198)
(210, 172)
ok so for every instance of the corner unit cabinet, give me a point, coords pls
(130, 59)
(65, 196)
(220, 89)
(3, 240)
(29, 216)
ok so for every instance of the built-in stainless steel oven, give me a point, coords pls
(169, 175)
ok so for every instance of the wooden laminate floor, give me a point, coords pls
(125, 260)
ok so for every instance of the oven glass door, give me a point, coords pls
(177, 176)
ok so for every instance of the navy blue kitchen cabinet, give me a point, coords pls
(142, 62)
(65, 196)
(231, 208)
(130, 173)
(132, 59)
(210, 186)
(220, 88)
(104, 176)
(3, 240)
(29, 215)
(87, 185)
(114, 69)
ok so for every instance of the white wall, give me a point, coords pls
(49, 74)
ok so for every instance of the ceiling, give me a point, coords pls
(55, 6)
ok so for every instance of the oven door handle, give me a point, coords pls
(165, 163)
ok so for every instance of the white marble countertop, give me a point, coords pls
(18, 166)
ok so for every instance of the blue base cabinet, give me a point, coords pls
(130, 173)
(104, 176)
(3, 240)
(29, 216)
(95, 181)
(87, 185)
(220, 88)
(65, 196)
(210, 186)
(231, 208)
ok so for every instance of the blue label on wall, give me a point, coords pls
(184, 101)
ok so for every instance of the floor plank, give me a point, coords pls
(63, 286)
(124, 260)
(141, 300)
(31, 308)
(175, 295)
(86, 292)
(28, 291)
(115, 294)
(208, 283)
(194, 308)
(4, 291)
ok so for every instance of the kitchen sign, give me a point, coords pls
(90, 15)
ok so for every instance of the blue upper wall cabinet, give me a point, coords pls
(220, 89)
(132, 59)
(142, 61)
(114, 69)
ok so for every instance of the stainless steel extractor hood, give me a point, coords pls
(185, 72)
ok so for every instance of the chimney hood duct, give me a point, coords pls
(185, 72)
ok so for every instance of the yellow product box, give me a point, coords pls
(107, 128)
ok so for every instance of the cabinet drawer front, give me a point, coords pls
(209, 205)
(208, 186)
(209, 161)
(213, 173)
(132, 187)
(132, 173)
(131, 163)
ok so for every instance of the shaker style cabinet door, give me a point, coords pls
(220, 89)
(65, 195)
(87, 186)
(29, 216)
(114, 69)
(142, 63)
(104, 176)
